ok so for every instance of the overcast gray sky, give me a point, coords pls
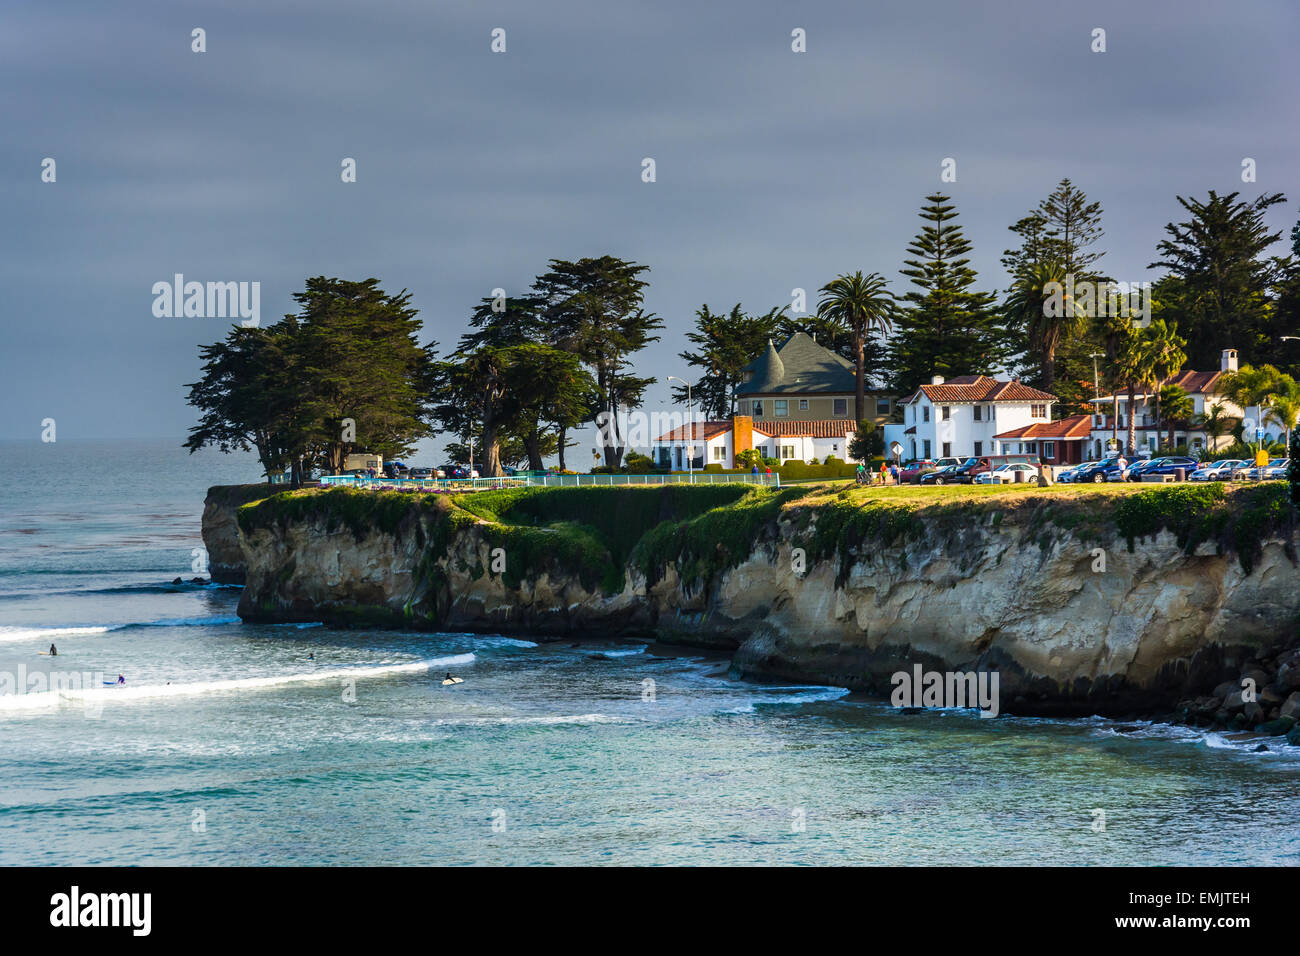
(775, 170)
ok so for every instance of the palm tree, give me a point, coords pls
(1284, 405)
(1029, 306)
(1214, 422)
(1135, 368)
(1251, 387)
(860, 303)
(1165, 349)
(1177, 406)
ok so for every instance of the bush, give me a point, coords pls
(747, 459)
(713, 466)
(638, 464)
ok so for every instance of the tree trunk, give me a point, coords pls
(533, 445)
(860, 398)
(1048, 370)
(491, 454)
(564, 431)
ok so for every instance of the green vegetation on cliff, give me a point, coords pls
(597, 533)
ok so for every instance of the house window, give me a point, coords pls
(926, 443)
(947, 412)
(1037, 411)
(1049, 449)
(758, 408)
(979, 445)
(781, 406)
(719, 452)
(841, 407)
(787, 451)
(925, 412)
(803, 404)
(882, 406)
(947, 449)
(978, 416)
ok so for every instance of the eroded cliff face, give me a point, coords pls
(1074, 624)
(1151, 628)
(226, 561)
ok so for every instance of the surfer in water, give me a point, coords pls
(54, 651)
(449, 677)
(121, 680)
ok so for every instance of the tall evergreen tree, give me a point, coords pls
(945, 327)
(594, 307)
(1219, 282)
(725, 343)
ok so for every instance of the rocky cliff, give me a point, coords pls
(1085, 600)
(226, 562)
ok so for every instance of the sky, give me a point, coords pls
(774, 169)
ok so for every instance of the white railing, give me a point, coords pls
(544, 481)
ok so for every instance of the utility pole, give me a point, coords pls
(690, 414)
(1096, 382)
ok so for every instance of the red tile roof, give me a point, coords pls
(703, 431)
(1076, 426)
(1194, 382)
(818, 428)
(981, 388)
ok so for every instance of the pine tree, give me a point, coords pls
(945, 327)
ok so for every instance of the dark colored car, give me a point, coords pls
(1101, 471)
(422, 473)
(962, 474)
(1162, 466)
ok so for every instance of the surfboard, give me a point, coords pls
(45, 653)
(453, 680)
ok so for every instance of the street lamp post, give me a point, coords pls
(690, 414)
(1096, 382)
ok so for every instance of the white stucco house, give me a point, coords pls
(1110, 423)
(974, 415)
(717, 443)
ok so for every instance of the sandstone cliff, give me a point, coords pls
(1086, 600)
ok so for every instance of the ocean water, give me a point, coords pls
(251, 744)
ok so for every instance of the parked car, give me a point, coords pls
(1100, 471)
(422, 474)
(1072, 473)
(1217, 470)
(953, 474)
(912, 471)
(945, 462)
(1006, 474)
(1169, 465)
(455, 471)
(1276, 468)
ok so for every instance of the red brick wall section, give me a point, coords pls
(742, 437)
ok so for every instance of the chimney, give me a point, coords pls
(1228, 361)
(742, 435)
(936, 379)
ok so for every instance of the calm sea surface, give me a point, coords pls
(251, 744)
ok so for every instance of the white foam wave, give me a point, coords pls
(136, 692)
(13, 634)
(556, 719)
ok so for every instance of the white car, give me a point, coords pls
(1277, 468)
(1217, 470)
(1006, 474)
